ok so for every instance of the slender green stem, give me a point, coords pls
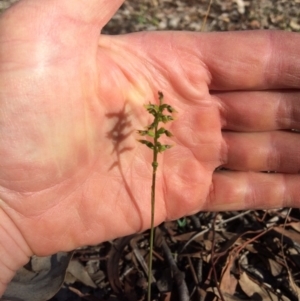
(154, 168)
(153, 131)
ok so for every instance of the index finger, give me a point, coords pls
(244, 60)
(253, 60)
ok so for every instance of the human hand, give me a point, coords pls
(72, 172)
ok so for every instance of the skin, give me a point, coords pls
(71, 100)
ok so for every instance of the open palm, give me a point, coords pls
(72, 172)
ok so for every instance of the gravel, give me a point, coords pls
(189, 15)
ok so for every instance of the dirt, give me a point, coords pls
(189, 15)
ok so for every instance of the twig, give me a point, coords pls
(195, 220)
(216, 227)
(195, 276)
(213, 258)
(206, 15)
(178, 275)
(294, 287)
(139, 257)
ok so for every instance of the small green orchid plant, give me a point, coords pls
(154, 131)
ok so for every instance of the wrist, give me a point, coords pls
(14, 251)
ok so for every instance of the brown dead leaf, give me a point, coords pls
(257, 291)
(294, 236)
(112, 264)
(40, 282)
(228, 282)
(295, 226)
(80, 273)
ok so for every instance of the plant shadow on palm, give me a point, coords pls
(118, 134)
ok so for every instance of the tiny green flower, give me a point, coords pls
(148, 143)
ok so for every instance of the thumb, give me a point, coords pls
(98, 12)
(48, 29)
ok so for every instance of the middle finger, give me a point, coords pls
(263, 151)
(259, 110)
